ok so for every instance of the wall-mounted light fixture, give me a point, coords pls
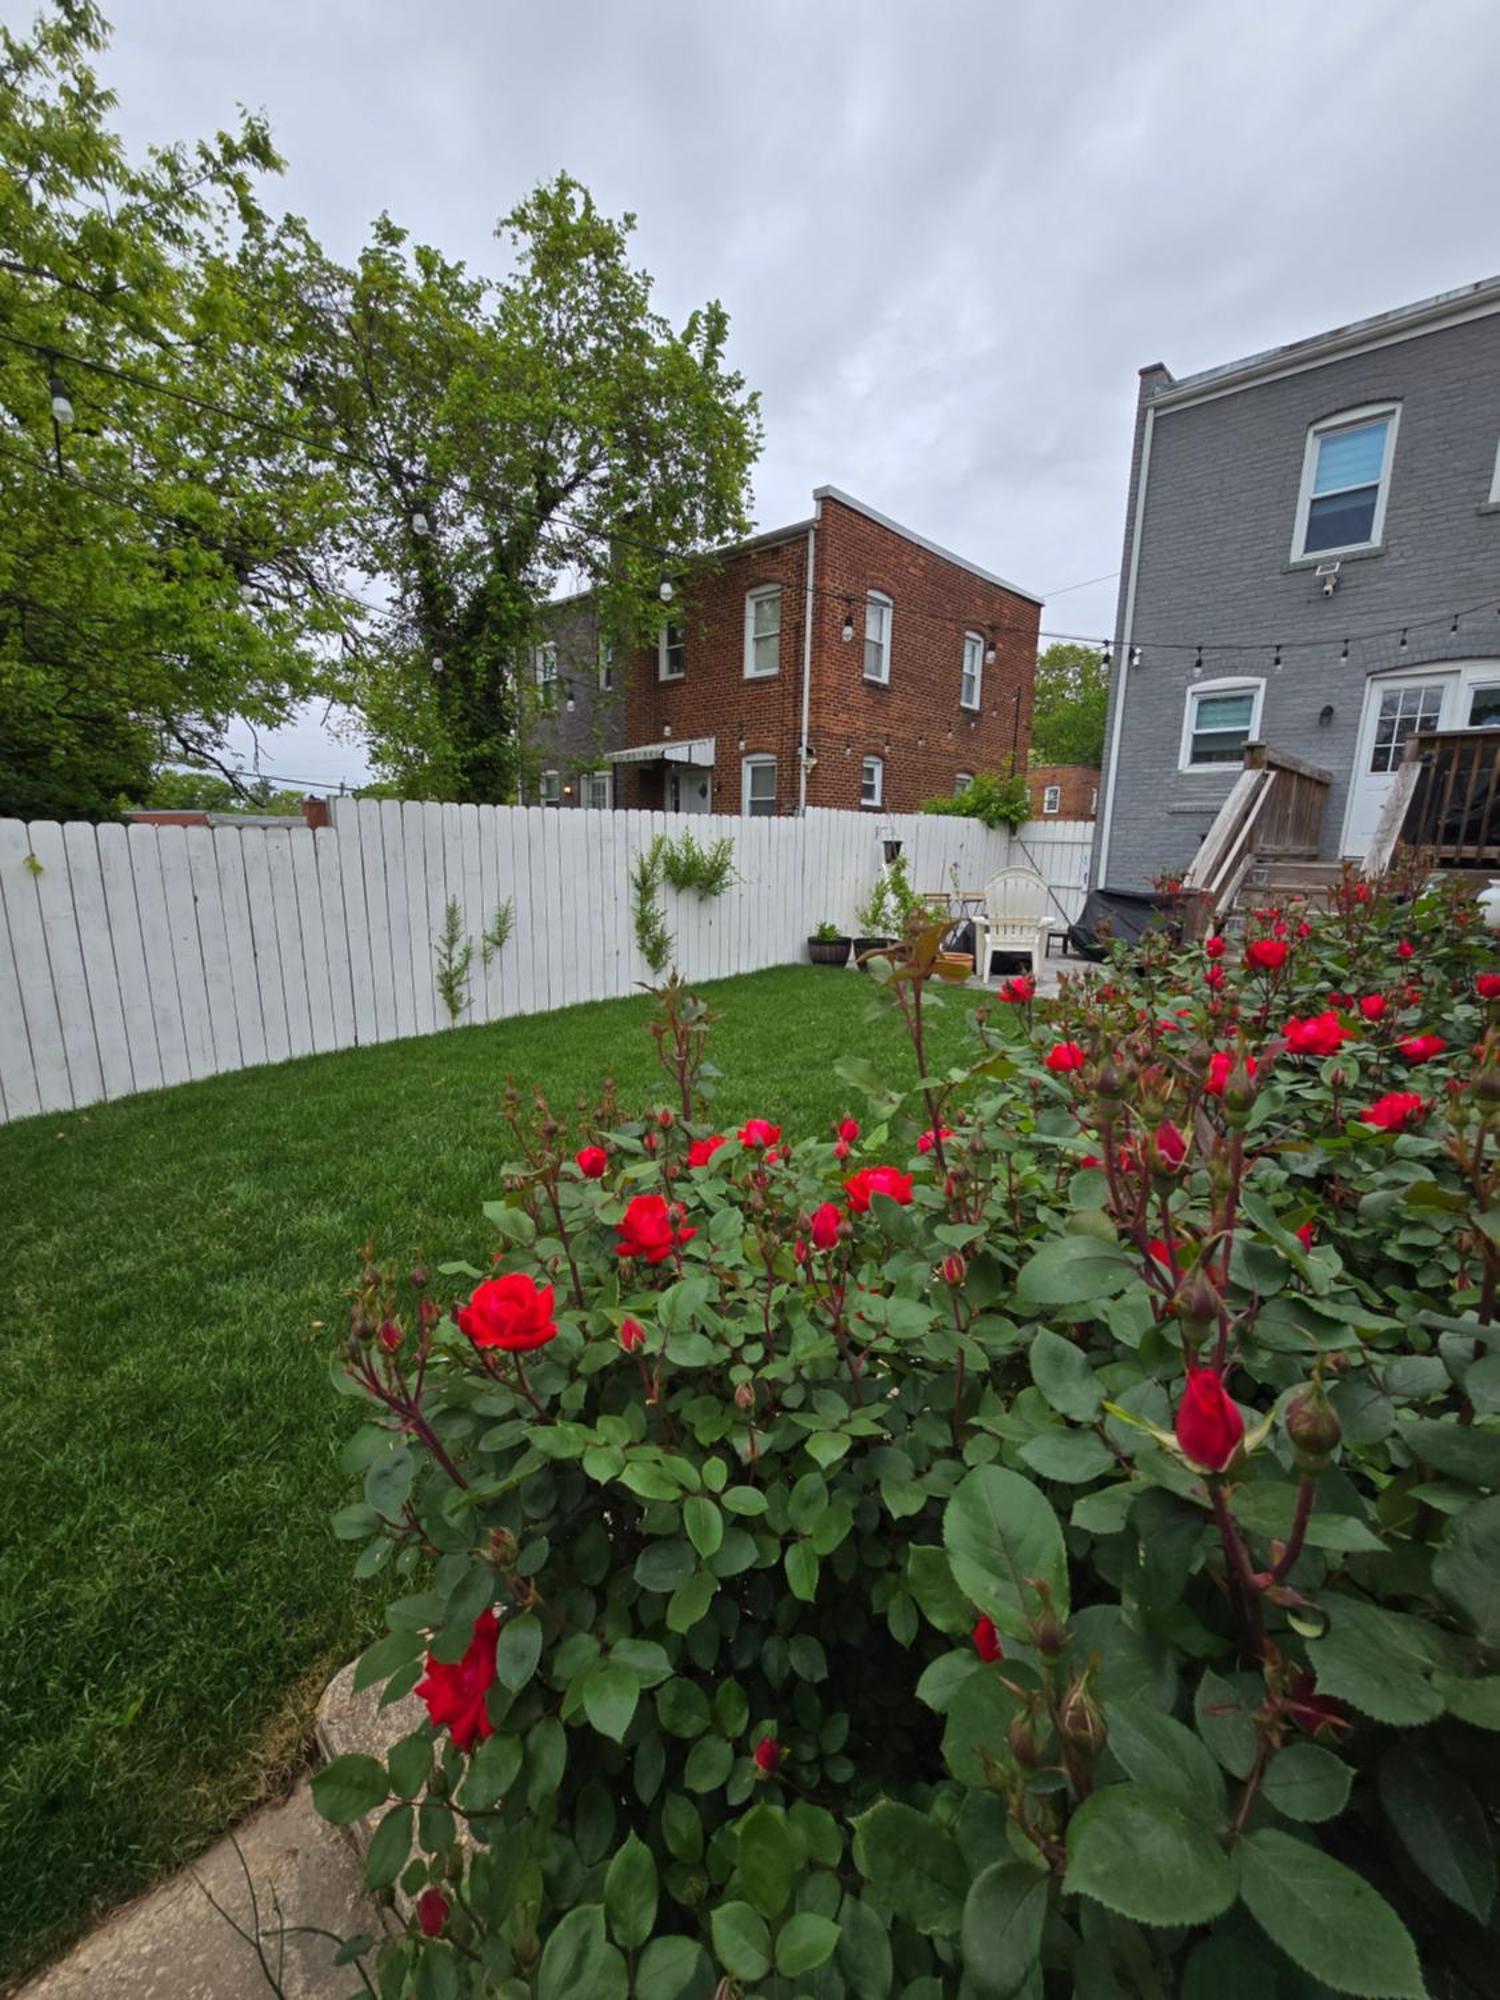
(1325, 714)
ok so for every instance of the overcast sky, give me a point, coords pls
(947, 233)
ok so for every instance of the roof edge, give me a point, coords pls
(822, 493)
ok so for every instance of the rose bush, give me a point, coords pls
(1063, 1558)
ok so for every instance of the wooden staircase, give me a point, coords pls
(1263, 845)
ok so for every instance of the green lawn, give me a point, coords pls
(171, 1601)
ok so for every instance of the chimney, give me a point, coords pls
(315, 811)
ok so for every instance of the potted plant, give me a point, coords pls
(828, 945)
(876, 918)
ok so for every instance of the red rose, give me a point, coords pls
(1313, 1712)
(1213, 947)
(701, 1151)
(824, 1228)
(1373, 1006)
(759, 1132)
(955, 1268)
(1398, 1111)
(1162, 1255)
(645, 1230)
(1487, 985)
(1209, 1426)
(390, 1336)
(1318, 1035)
(1265, 954)
(592, 1162)
(1019, 990)
(1171, 1145)
(1421, 1048)
(1406, 949)
(1213, 975)
(454, 1691)
(767, 1754)
(987, 1641)
(1064, 1056)
(664, 1118)
(849, 1130)
(842, 1149)
(929, 1139)
(513, 1313)
(1221, 1068)
(1307, 1234)
(432, 1911)
(632, 1335)
(1304, 930)
(877, 1180)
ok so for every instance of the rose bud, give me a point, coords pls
(1168, 1148)
(987, 1641)
(744, 1396)
(390, 1336)
(418, 1277)
(632, 1335)
(1312, 1426)
(1239, 1095)
(650, 1142)
(955, 1270)
(768, 1755)
(504, 1548)
(1209, 1426)
(1197, 1307)
(664, 1118)
(1026, 1740)
(433, 1909)
(842, 1149)
(1111, 1088)
(849, 1130)
(1080, 1720)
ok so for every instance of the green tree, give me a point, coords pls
(159, 560)
(206, 791)
(1072, 697)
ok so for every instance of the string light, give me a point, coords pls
(848, 627)
(1344, 656)
(62, 405)
(1403, 638)
(989, 651)
(1276, 663)
(1198, 665)
(1135, 656)
(1453, 628)
(665, 591)
(421, 527)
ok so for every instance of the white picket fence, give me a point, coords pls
(135, 957)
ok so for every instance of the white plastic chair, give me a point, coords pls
(1015, 912)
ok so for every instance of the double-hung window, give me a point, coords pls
(872, 782)
(878, 637)
(1221, 718)
(763, 632)
(1052, 799)
(606, 667)
(598, 790)
(961, 782)
(546, 664)
(671, 653)
(551, 789)
(758, 787)
(973, 675)
(1346, 476)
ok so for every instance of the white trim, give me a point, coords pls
(586, 784)
(961, 782)
(757, 760)
(662, 673)
(976, 640)
(556, 783)
(868, 764)
(879, 599)
(1229, 684)
(1495, 479)
(807, 618)
(675, 750)
(1122, 655)
(1344, 420)
(758, 594)
(1051, 800)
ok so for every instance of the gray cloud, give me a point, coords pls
(947, 234)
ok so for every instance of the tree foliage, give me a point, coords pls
(1072, 698)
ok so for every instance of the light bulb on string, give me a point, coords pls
(1198, 665)
(62, 403)
(1344, 656)
(1135, 656)
(847, 630)
(1453, 628)
(665, 591)
(989, 652)
(1276, 662)
(421, 527)
(1403, 646)
(569, 704)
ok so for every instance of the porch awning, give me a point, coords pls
(691, 750)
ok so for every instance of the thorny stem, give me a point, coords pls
(413, 1421)
(555, 1205)
(1243, 1587)
(1293, 1546)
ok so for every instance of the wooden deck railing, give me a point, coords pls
(1274, 808)
(1452, 781)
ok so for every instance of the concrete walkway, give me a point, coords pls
(173, 1944)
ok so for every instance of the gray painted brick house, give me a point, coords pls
(573, 710)
(1323, 520)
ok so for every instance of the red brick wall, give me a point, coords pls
(916, 723)
(1079, 784)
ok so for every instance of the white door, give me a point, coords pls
(690, 789)
(1393, 710)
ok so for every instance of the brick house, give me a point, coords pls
(1063, 791)
(575, 710)
(905, 669)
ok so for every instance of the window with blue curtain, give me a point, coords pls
(1346, 481)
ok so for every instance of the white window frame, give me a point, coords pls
(606, 667)
(545, 662)
(876, 600)
(663, 671)
(763, 593)
(1495, 479)
(549, 788)
(757, 761)
(973, 649)
(1230, 684)
(1325, 426)
(1094, 803)
(875, 765)
(1052, 800)
(589, 780)
(961, 782)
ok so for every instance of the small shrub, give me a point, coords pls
(495, 939)
(994, 800)
(651, 932)
(687, 864)
(455, 957)
(828, 932)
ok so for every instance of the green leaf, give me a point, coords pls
(929, 1578)
(689, 1602)
(1225, 1714)
(350, 1787)
(864, 1949)
(1074, 1271)
(1004, 1912)
(389, 1848)
(709, 1763)
(1001, 1534)
(742, 1942)
(1327, 1919)
(1070, 1457)
(1465, 1452)
(802, 1571)
(765, 1859)
(682, 1707)
(662, 1565)
(409, 1763)
(1060, 1369)
(1131, 1851)
(630, 1893)
(1441, 1824)
(579, 1963)
(1165, 1757)
(974, 1736)
(1466, 1569)
(1474, 1701)
(493, 1769)
(610, 1694)
(704, 1524)
(681, 1827)
(1307, 1782)
(1368, 1659)
(667, 1968)
(803, 1943)
(519, 1649)
(914, 1864)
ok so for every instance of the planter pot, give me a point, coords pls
(829, 951)
(867, 947)
(1489, 904)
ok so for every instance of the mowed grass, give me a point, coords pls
(171, 1599)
